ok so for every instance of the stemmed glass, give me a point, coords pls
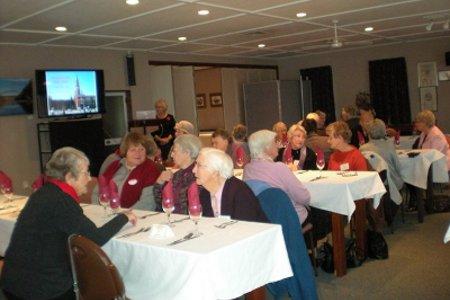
(168, 207)
(114, 203)
(320, 163)
(7, 191)
(103, 199)
(195, 213)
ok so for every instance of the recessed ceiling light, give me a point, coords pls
(61, 28)
(301, 15)
(132, 2)
(368, 29)
(182, 38)
(261, 45)
(203, 12)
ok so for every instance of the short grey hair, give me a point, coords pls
(185, 126)
(427, 117)
(259, 142)
(63, 161)
(376, 129)
(219, 161)
(189, 143)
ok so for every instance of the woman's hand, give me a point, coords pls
(165, 176)
(131, 217)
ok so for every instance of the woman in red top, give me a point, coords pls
(345, 156)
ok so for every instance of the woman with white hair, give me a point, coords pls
(184, 153)
(37, 264)
(431, 137)
(264, 150)
(222, 193)
(166, 132)
(184, 127)
(296, 154)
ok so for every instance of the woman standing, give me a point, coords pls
(166, 133)
(37, 264)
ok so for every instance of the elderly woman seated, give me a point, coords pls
(184, 153)
(222, 193)
(385, 148)
(184, 127)
(240, 152)
(134, 174)
(296, 154)
(431, 137)
(281, 138)
(222, 140)
(264, 150)
(37, 265)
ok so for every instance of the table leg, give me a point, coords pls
(360, 228)
(339, 258)
(257, 294)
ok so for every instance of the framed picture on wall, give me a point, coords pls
(427, 74)
(428, 98)
(200, 100)
(215, 99)
(444, 75)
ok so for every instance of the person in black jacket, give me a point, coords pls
(37, 264)
(222, 193)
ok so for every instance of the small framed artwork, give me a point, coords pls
(428, 98)
(215, 99)
(200, 100)
(444, 75)
(427, 74)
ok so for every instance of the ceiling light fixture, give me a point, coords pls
(203, 12)
(132, 2)
(182, 38)
(301, 15)
(368, 29)
(446, 25)
(61, 28)
(429, 26)
(261, 45)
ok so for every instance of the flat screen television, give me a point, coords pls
(69, 93)
(16, 96)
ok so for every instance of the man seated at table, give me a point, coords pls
(37, 264)
(264, 150)
(222, 193)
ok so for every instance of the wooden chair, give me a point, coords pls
(94, 276)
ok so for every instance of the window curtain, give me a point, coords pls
(321, 90)
(389, 90)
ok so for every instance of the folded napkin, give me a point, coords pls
(5, 181)
(161, 231)
(193, 195)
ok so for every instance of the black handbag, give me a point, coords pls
(377, 246)
(350, 252)
(326, 258)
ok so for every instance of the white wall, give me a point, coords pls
(351, 71)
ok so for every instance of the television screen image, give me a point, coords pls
(16, 96)
(71, 92)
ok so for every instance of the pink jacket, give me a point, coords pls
(435, 139)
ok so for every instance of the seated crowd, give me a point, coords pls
(36, 264)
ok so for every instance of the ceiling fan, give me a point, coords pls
(335, 42)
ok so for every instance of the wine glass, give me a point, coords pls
(195, 213)
(114, 204)
(103, 199)
(320, 163)
(168, 207)
(7, 191)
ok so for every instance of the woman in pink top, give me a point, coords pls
(431, 137)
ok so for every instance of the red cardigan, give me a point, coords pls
(144, 175)
(354, 159)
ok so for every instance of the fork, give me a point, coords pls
(143, 229)
(226, 224)
(149, 215)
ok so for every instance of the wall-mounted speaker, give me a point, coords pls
(447, 58)
(130, 70)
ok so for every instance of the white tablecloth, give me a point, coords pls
(8, 216)
(221, 264)
(414, 170)
(337, 194)
(406, 141)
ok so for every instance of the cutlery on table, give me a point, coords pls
(187, 237)
(226, 224)
(143, 229)
(149, 215)
(181, 220)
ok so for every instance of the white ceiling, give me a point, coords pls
(233, 27)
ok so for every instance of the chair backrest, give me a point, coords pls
(375, 160)
(95, 277)
(279, 210)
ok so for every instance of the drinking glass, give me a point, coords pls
(103, 199)
(195, 213)
(7, 191)
(114, 203)
(320, 163)
(168, 207)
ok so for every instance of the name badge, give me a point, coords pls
(296, 162)
(344, 167)
(132, 181)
